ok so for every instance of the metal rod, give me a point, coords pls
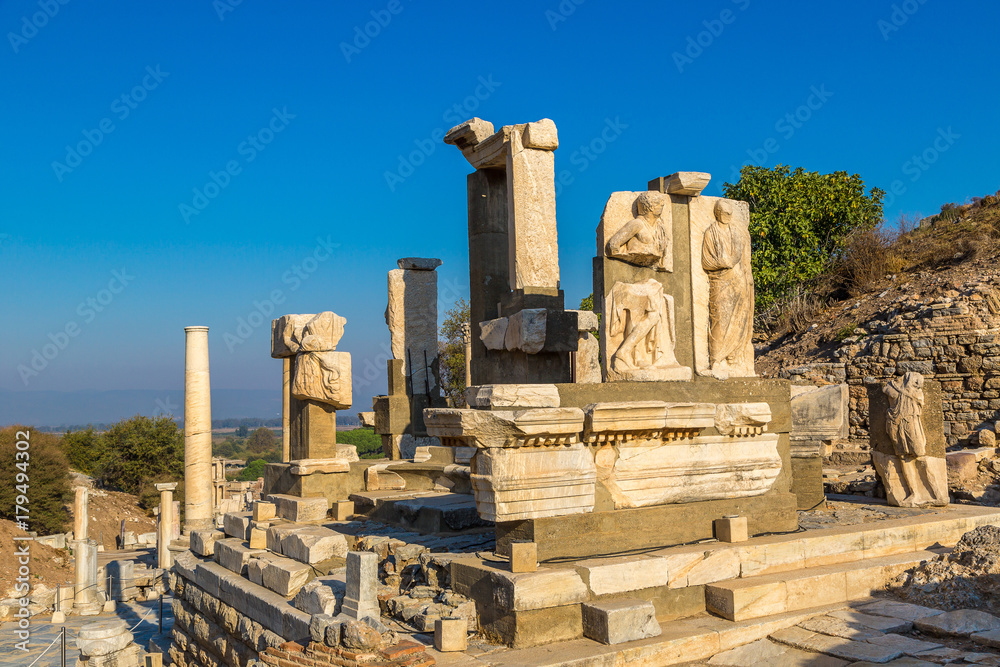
(161, 613)
(64, 646)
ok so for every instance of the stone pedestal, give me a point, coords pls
(164, 531)
(197, 432)
(361, 599)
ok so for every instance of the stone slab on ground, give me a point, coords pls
(907, 645)
(960, 623)
(903, 610)
(298, 509)
(838, 647)
(314, 544)
(883, 623)
(837, 627)
(619, 621)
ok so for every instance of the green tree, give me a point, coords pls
(253, 470)
(587, 302)
(799, 221)
(368, 443)
(38, 470)
(241, 431)
(261, 440)
(83, 449)
(451, 352)
(139, 452)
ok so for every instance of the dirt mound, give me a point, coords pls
(966, 578)
(48, 565)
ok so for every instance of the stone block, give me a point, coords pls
(537, 590)
(153, 660)
(262, 510)
(343, 510)
(450, 634)
(961, 623)
(541, 135)
(618, 621)
(513, 395)
(314, 544)
(237, 524)
(963, 466)
(285, 576)
(608, 576)
(323, 595)
(493, 333)
(233, 555)
(689, 183)
(419, 263)
(523, 557)
(731, 529)
(526, 330)
(258, 538)
(103, 638)
(361, 597)
(298, 509)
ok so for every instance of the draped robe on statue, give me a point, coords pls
(726, 259)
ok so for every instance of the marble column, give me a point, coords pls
(85, 555)
(80, 513)
(286, 408)
(165, 527)
(197, 432)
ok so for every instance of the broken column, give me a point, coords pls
(361, 598)
(197, 431)
(521, 332)
(414, 379)
(286, 397)
(80, 517)
(320, 382)
(164, 529)
(85, 570)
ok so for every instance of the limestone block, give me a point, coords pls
(378, 478)
(470, 133)
(419, 263)
(607, 576)
(820, 413)
(689, 183)
(649, 472)
(541, 134)
(343, 510)
(323, 595)
(618, 621)
(986, 437)
(587, 320)
(523, 556)
(302, 467)
(932, 471)
(542, 589)
(324, 377)
(237, 524)
(258, 538)
(742, 418)
(314, 544)
(293, 508)
(361, 596)
(450, 634)
(587, 362)
(484, 429)
(533, 482)
(493, 333)
(412, 319)
(731, 529)
(233, 555)
(286, 335)
(103, 638)
(512, 395)
(526, 330)
(262, 510)
(531, 214)
(963, 466)
(285, 577)
(367, 419)
(613, 417)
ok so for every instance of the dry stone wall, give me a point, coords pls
(953, 338)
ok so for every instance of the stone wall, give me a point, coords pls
(954, 339)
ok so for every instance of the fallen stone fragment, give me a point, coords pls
(961, 623)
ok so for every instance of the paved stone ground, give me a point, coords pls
(43, 633)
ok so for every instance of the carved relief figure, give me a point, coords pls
(726, 259)
(906, 431)
(644, 240)
(641, 333)
(324, 377)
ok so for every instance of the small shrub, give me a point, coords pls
(368, 443)
(866, 259)
(845, 332)
(797, 310)
(988, 201)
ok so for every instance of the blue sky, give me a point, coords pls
(309, 158)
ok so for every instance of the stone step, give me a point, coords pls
(421, 511)
(764, 595)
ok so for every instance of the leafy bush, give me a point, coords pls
(84, 449)
(253, 470)
(451, 353)
(47, 484)
(799, 222)
(866, 259)
(368, 443)
(261, 440)
(140, 452)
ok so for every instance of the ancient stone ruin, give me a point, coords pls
(610, 472)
